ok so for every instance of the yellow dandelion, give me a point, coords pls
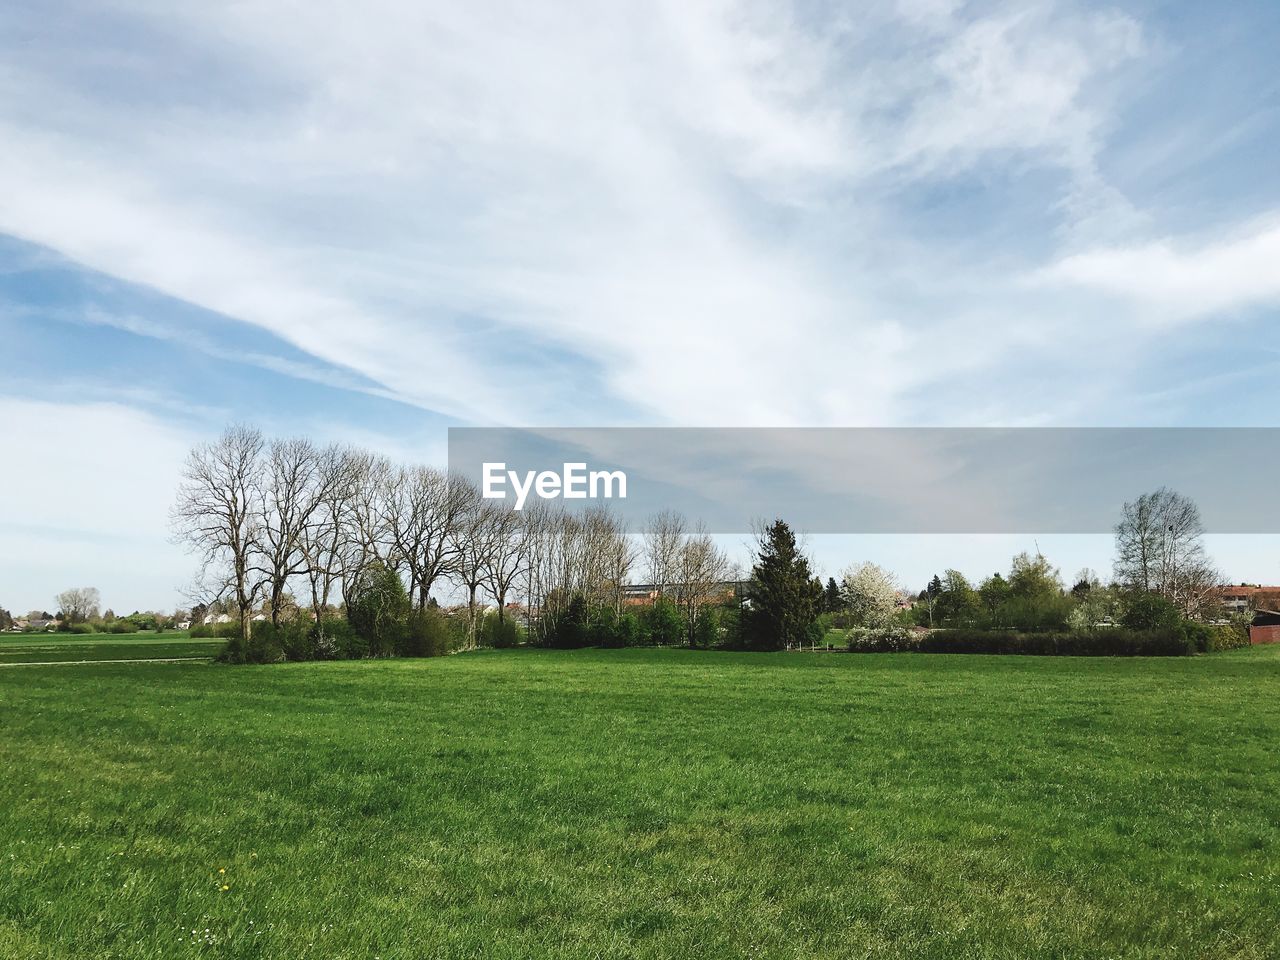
(225, 887)
(222, 869)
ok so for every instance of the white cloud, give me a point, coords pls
(690, 197)
(1171, 281)
(86, 504)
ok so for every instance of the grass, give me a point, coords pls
(54, 647)
(644, 803)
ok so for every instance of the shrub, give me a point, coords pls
(499, 632)
(265, 644)
(1149, 611)
(297, 638)
(1114, 642)
(431, 634)
(215, 631)
(567, 629)
(627, 631)
(708, 632)
(1229, 636)
(892, 639)
(663, 623)
(121, 626)
(377, 609)
(334, 639)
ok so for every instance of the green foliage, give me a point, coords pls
(500, 632)
(1115, 642)
(957, 603)
(568, 629)
(1226, 636)
(612, 630)
(431, 633)
(831, 599)
(218, 631)
(1149, 611)
(709, 632)
(664, 623)
(783, 598)
(377, 609)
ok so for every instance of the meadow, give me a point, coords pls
(643, 803)
(56, 647)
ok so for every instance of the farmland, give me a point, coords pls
(646, 803)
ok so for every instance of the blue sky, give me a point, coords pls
(370, 226)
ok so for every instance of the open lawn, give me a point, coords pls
(49, 647)
(644, 803)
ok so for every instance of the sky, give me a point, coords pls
(369, 223)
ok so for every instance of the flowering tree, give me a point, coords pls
(870, 594)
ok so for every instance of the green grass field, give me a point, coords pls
(644, 803)
(50, 647)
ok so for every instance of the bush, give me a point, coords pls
(297, 637)
(663, 623)
(567, 629)
(1149, 611)
(334, 639)
(120, 626)
(627, 631)
(265, 644)
(215, 631)
(1231, 636)
(708, 632)
(431, 634)
(891, 639)
(500, 632)
(1114, 642)
(378, 609)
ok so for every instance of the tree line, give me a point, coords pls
(271, 518)
(370, 543)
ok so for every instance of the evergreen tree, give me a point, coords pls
(783, 597)
(831, 597)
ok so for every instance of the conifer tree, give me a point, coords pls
(783, 597)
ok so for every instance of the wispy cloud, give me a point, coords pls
(691, 199)
(1174, 280)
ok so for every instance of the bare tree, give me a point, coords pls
(291, 499)
(79, 604)
(1160, 549)
(215, 515)
(367, 538)
(473, 541)
(703, 569)
(325, 540)
(663, 540)
(433, 504)
(505, 561)
(541, 523)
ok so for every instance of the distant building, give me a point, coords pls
(1244, 597)
(645, 594)
(1265, 627)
